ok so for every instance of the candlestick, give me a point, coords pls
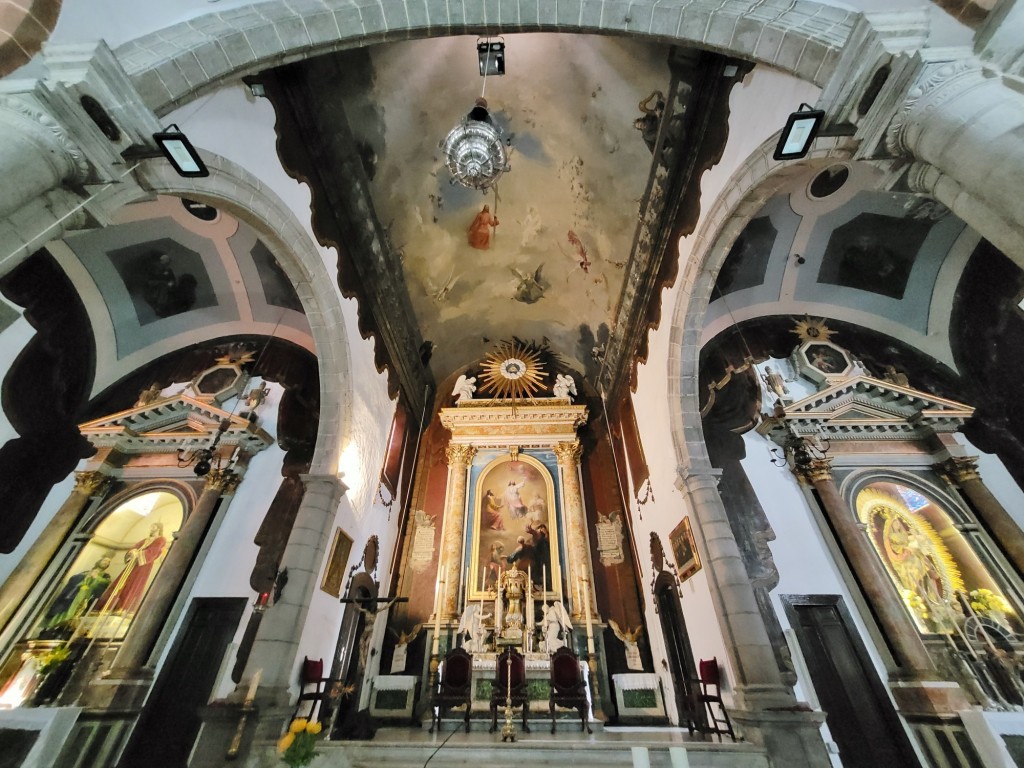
(253, 685)
(586, 608)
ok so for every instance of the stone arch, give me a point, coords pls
(25, 27)
(753, 183)
(173, 66)
(238, 192)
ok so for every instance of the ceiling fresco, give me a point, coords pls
(548, 255)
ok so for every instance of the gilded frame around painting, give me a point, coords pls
(684, 550)
(334, 574)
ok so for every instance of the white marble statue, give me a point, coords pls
(471, 626)
(629, 639)
(556, 627)
(464, 388)
(564, 386)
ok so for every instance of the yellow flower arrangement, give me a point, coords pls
(298, 746)
(987, 601)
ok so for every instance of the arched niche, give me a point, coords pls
(940, 578)
(516, 524)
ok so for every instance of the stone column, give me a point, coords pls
(37, 154)
(152, 613)
(967, 129)
(459, 459)
(88, 485)
(277, 640)
(568, 455)
(766, 708)
(905, 642)
(759, 681)
(1004, 530)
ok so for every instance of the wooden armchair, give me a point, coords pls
(568, 688)
(454, 686)
(510, 680)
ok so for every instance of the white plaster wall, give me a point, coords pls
(759, 108)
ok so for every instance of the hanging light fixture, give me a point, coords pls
(473, 150)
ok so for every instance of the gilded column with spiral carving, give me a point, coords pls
(459, 458)
(88, 485)
(568, 455)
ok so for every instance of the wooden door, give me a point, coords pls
(861, 717)
(170, 722)
(680, 656)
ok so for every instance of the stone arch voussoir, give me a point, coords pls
(172, 66)
(749, 188)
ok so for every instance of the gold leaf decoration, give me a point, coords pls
(513, 372)
(810, 329)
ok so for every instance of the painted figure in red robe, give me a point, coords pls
(126, 592)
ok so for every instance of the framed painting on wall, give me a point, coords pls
(341, 548)
(514, 523)
(684, 550)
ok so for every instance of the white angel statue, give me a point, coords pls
(471, 626)
(565, 385)
(465, 386)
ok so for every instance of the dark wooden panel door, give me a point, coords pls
(170, 722)
(861, 718)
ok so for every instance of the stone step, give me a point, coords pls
(656, 748)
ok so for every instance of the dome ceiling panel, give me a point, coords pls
(160, 277)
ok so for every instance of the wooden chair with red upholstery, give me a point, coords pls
(454, 686)
(710, 693)
(510, 682)
(311, 674)
(568, 688)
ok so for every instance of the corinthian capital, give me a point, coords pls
(569, 454)
(459, 455)
(223, 480)
(815, 471)
(92, 483)
(937, 83)
(963, 468)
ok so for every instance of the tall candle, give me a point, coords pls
(438, 591)
(544, 584)
(586, 608)
(253, 685)
(463, 587)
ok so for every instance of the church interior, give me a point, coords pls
(407, 382)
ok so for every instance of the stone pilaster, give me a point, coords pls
(277, 640)
(1005, 531)
(759, 682)
(766, 707)
(568, 455)
(88, 485)
(459, 458)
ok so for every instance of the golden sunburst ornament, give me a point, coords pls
(513, 371)
(810, 329)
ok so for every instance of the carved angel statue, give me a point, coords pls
(465, 386)
(556, 627)
(471, 626)
(629, 639)
(401, 652)
(565, 385)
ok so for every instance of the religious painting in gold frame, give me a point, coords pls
(514, 522)
(334, 574)
(684, 550)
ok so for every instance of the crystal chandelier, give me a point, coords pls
(473, 150)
